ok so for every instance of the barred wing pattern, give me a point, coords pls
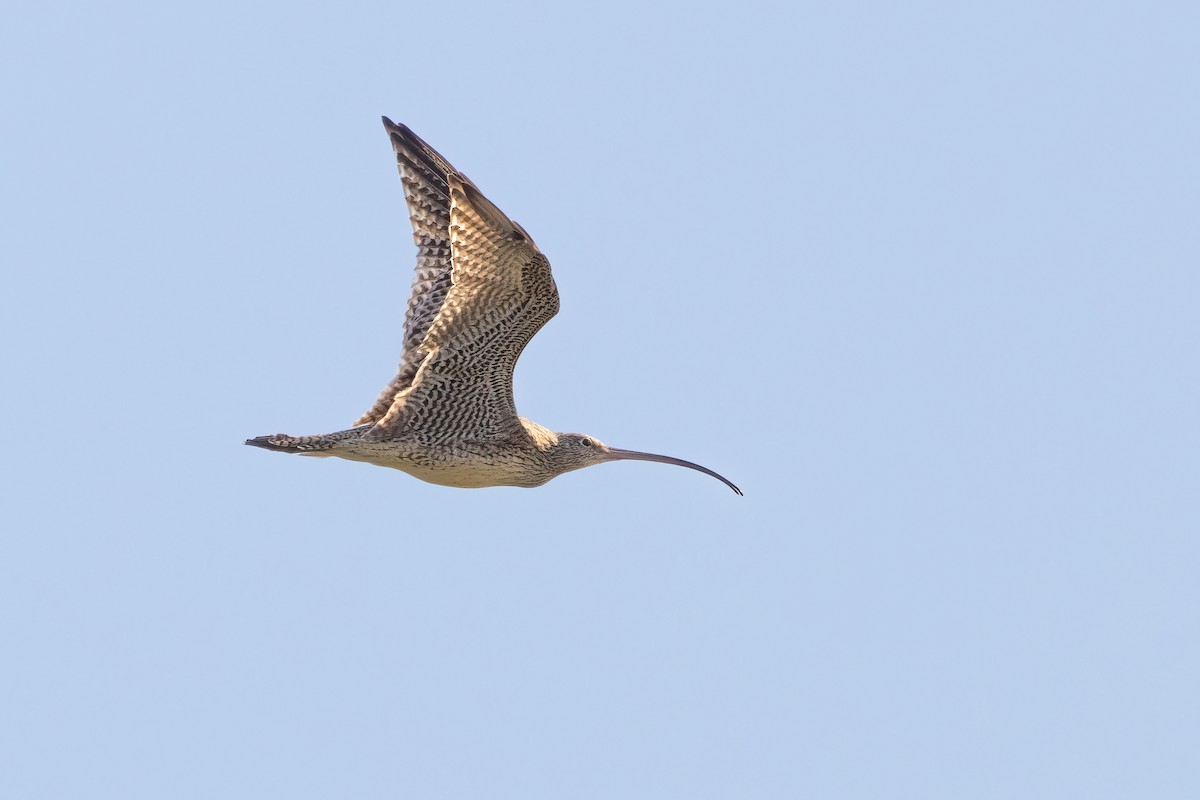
(423, 173)
(493, 293)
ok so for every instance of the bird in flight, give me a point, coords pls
(482, 290)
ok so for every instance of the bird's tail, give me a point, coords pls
(282, 443)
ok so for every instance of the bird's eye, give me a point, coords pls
(586, 442)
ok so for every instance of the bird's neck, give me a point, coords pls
(543, 438)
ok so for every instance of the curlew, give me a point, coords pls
(482, 290)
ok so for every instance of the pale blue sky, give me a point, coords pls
(922, 279)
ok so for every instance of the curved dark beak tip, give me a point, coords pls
(636, 455)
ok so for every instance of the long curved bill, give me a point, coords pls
(633, 455)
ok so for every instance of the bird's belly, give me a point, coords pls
(447, 469)
(465, 476)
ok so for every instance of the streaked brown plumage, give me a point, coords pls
(481, 291)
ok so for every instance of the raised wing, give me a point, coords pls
(423, 173)
(492, 294)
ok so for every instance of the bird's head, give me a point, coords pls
(578, 450)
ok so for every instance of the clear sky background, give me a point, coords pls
(922, 279)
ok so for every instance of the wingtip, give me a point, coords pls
(396, 128)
